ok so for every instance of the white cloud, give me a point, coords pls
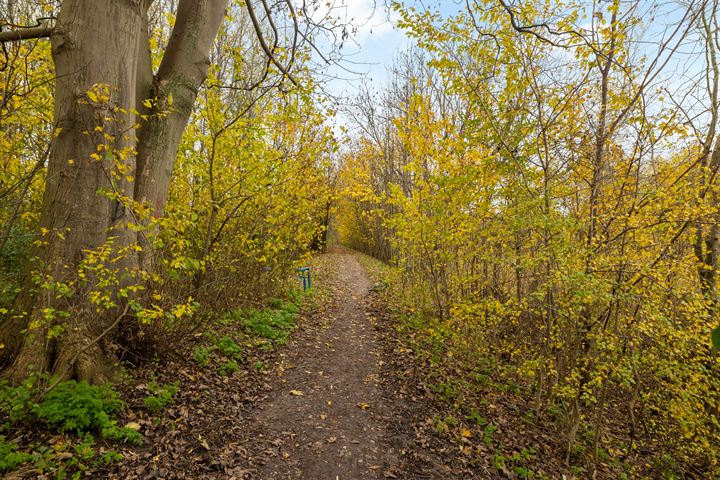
(368, 18)
(365, 19)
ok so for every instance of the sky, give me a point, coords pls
(368, 53)
(375, 39)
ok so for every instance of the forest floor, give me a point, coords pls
(339, 402)
(344, 398)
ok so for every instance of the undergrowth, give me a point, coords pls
(75, 408)
(455, 377)
(247, 329)
(82, 413)
(160, 396)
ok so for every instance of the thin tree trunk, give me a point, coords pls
(174, 90)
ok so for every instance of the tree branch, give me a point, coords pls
(264, 45)
(41, 30)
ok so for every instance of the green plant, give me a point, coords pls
(10, 458)
(488, 433)
(229, 348)
(161, 396)
(78, 406)
(108, 457)
(229, 367)
(475, 417)
(121, 434)
(202, 356)
(498, 461)
(84, 450)
(445, 390)
(524, 472)
(275, 303)
(18, 402)
(274, 325)
(70, 406)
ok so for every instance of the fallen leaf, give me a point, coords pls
(297, 393)
(133, 426)
(363, 406)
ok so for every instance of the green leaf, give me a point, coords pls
(715, 335)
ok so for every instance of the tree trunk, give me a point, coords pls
(174, 90)
(101, 54)
(94, 48)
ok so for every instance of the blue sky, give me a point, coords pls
(370, 49)
(373, 44)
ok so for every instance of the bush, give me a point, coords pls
(19, 402)
(70, 406)
(79, 406)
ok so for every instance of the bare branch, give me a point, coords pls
(41, 30)
(264, 45)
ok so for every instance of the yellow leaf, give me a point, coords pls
(363, 406)
(133, 426)
(297, 393)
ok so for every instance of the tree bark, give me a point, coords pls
(94, 48)
(101, 46)
(174, 91)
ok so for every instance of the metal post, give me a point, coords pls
(305, 275)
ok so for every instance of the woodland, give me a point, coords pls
(514, 241)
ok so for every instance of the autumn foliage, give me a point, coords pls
(547, 198)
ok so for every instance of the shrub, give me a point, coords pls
(79, 406)
(70, 406)
(18, 402)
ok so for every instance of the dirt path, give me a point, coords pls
(343, 400)
(326, 417)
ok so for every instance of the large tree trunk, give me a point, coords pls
(101, 47)
(94, 47)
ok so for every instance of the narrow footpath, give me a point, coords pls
(343, 400)
(326, 417)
